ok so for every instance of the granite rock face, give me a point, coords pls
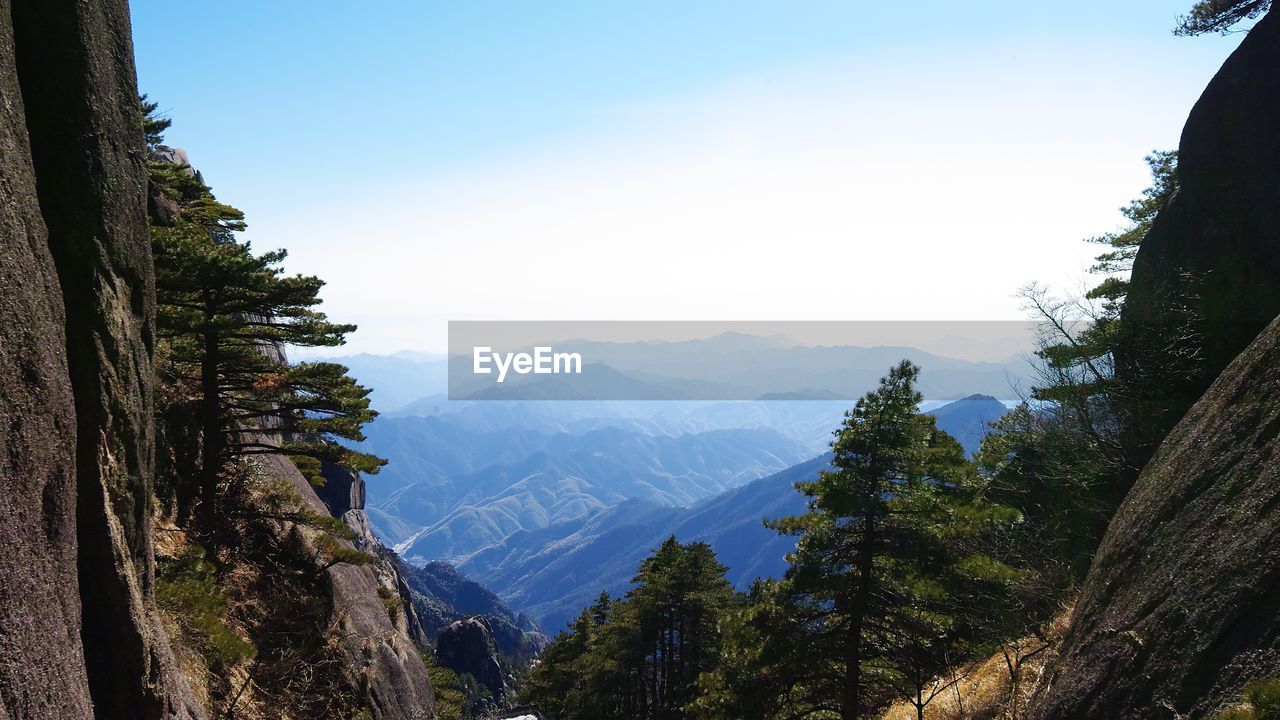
(79, 631)
(343, 490)
(42, 671)
(1182, 605)
(1204, 281)
(467, 646)
(76, 95)
(383, 661)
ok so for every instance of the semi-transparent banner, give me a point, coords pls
(738, 360)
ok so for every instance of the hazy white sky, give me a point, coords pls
(897, 181)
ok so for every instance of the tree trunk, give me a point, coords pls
(211, 424)
(853, 691)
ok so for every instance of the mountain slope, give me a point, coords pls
(574, 476)
(967, 420)
(554, 572)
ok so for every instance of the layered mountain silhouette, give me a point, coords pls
(554, 572)
(729, 366)
(549, 503)
(490, 492)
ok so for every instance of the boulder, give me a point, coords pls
(467, 646)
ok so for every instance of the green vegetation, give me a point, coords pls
(1263, 700)
(248, 554)
(641, 656)
(222, 313)
(451, 695)
(888, 575)
(1063, 459)
(893, 562)
(187, 588)
(1219, 15)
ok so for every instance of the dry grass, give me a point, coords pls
(277, 597)
(983, 690)
(169, 542)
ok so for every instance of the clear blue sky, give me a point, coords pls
(607, 134)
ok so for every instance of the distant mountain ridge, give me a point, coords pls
(548, 503)
(572, 476)
(554, 572)
(730, 366)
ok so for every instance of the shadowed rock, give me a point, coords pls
(1204, 281)
(41, 662)
(1182, 605)
(467, 646)
(75, 64)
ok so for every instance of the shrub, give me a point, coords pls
(187, 587)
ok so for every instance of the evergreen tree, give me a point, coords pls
(884, 559)
(639, 657)
(223, 315)
(557, 683)
(765, 671)
(1077, 386)
(1219, 15)
(1078, 355)
(680, 594)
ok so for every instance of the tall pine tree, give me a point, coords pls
(224, 314)
(885, 556)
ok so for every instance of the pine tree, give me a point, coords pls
(1219, 15)
(639, 657)
(884, 558)
(680, 594)
(223, 314)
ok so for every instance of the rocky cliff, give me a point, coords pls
(81, 635)
(1182, 605)
(77, 94)
(41, 661)
(383, 660)
(1180, 608)
(1203, 283)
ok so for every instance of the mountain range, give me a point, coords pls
(729, 366)
(549, 503)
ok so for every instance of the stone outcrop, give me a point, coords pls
(42, 671)
(1182, 605)
(1204, 281)
(382, 658)
(442, 595)
(467, 646)
(76, 91)
(343, 495)
(343, 490)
